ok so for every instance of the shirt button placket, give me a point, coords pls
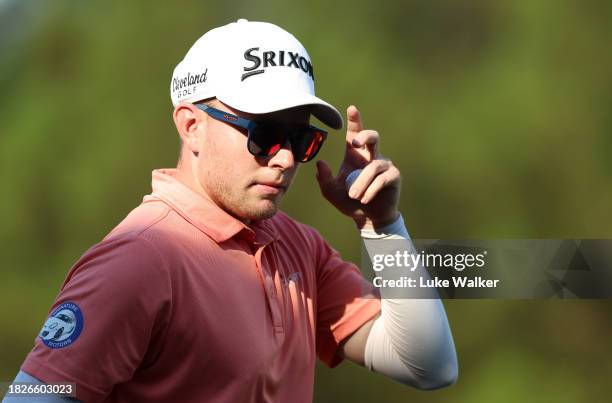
(270, 291)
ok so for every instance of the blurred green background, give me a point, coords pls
(499, 115)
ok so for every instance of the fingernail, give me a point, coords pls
(364, 200)
(353, 193)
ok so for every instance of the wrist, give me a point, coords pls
(366, 223)
(395, 230)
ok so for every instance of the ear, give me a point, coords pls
(190, 126)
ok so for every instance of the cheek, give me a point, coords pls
(230, 145)
(227, 160)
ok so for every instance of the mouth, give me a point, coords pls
(270, 187)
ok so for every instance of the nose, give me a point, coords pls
(283, 158)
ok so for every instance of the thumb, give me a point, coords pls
(324, 176)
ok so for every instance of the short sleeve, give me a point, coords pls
(113, 305)
(345, 301)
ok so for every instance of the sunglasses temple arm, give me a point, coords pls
(225, 117)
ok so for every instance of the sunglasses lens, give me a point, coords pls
(267, 140)
(306, 143)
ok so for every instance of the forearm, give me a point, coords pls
(411, 342)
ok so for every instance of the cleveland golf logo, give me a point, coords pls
(187, 84)
(281, 58)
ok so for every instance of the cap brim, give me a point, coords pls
(266, 103)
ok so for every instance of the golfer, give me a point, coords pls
(206, 292)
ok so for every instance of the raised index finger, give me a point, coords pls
(354, 156)
(354, 124)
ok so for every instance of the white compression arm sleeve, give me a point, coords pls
(411, 341)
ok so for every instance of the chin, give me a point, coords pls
(263, 210)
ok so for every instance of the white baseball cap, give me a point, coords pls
(255, 67)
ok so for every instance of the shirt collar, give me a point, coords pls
(203, 213)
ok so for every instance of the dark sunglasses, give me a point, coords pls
(265, 139)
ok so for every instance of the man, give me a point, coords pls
(205, 292)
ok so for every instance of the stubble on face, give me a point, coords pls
(229, 178)
(230, 174)
(236, 198)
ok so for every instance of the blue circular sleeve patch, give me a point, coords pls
(63, 326)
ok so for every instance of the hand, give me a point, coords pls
(373, 198)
